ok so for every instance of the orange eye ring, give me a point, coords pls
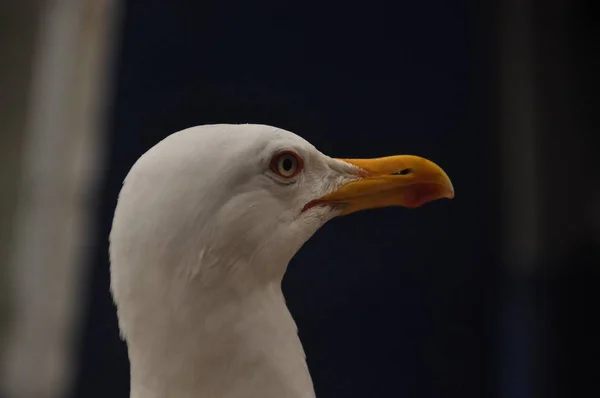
(286, 164)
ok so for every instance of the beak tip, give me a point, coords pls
(450, 194)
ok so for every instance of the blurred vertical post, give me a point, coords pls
(520, 187)
(549, 169)
(62, 142)
(16, 46)
(565, 67)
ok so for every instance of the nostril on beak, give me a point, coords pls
(402, 172)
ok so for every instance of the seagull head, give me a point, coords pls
(254, 194)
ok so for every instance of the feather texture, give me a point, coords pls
(201, 238)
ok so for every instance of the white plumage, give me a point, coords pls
(206, 223)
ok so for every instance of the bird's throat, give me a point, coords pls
(244, 347)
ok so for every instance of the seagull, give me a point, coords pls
(205, 225)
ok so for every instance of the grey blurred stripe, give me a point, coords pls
(60, 169)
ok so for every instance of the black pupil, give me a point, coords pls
(287, 164)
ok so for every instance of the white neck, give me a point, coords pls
(221, 345)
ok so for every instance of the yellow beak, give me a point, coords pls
(404, 180)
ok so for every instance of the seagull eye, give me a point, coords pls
(286, 164)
